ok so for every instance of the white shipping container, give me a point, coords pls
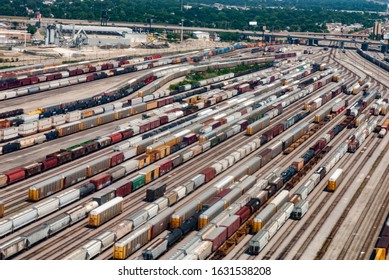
(203, 250)
(130, 165)
(8, 137)
(68, 197)
(27, 142)
(181, 192)
(58, 120)
(218, 167)
(9, 131)
(129, 153)
(152, 210)
(272, 228)
(47, 207)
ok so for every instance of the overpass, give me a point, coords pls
(311, 37)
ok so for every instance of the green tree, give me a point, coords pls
(32, 29)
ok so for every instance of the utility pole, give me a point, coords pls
(182, 30)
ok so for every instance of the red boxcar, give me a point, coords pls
(215, 124)
(63, 157)
(124, 190)
(155, 123)
(165, 166)
(49, 163)
(163, 120)
(72, 72)
(149, 80)
(161, 103)
(15, 175)
(34, 80)
(244, 214)
(209, 173)
(116, 137)
(92, 69)
(90, 78)
(190, 139)
(117, 158)
(211, 201)
(278, 129)
(101, 181)
(144, 127)
(169, 100)
(217, 237)
(243, 124)
(232, 224)
(268, 134)
(127, 133)
(224, 192)
(25, 82)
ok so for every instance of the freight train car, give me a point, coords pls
(105, 212)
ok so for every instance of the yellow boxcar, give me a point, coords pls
(203, 221)
(256, 226)
(106, 212)
(33, 195)
(175, 221)
(380, 254)
(249, 130)
(163, 151)
(203, 139)
(142, 161)
(1, 209)
(124, 248)
(331, 186)
(151, 173)
(36, 112)
(151, 105)
(154, 147)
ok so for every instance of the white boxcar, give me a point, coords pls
(25, 217)
(47, 207)
(12, 247)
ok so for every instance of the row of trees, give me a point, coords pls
(169, 12)
(354, 5)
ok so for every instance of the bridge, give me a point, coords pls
(311, 37)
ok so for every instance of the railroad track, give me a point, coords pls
(15, 193)
(136, 196)
(379, 217)
(327, 196)
(225, 148)
(338, 140)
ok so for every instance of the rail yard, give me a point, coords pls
(247, 152)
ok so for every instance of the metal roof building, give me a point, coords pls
(103, 30)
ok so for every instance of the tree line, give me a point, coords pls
(169, 12)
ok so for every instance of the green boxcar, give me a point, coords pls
(138, 181)
(70, 148)
(214, 141)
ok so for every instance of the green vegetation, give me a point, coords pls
(211, 73)
(5, 60)
(354, 5)
(71, 61)
(301, 16)
(32, 29)
(229, 36)
(9, 66)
